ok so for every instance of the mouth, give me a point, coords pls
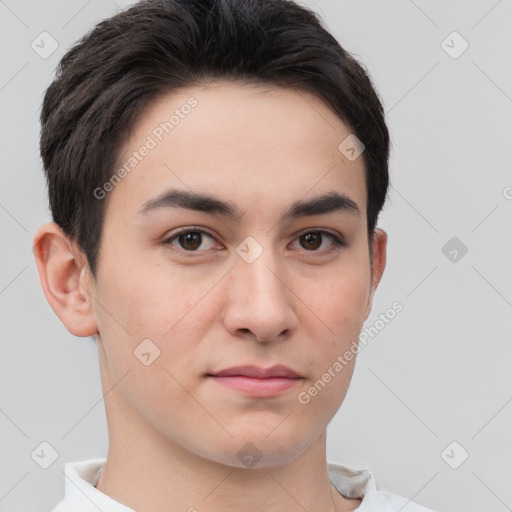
(256, 381)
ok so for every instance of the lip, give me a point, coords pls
(256, 381)
(257, 372)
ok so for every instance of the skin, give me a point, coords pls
(174, 433)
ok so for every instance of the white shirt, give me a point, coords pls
(81, 494)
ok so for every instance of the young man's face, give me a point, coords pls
(259, 290)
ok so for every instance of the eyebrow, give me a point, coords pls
(329, 202)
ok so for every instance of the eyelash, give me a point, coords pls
(338, 242)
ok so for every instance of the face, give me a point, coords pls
(193, 296)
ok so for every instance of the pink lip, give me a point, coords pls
(256, 381)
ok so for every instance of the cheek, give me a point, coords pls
(338, 314)
(147, 300)
(339, 300)
(148, 327)
(143, 311)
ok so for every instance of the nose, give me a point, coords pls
(260, 302)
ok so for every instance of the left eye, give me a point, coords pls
(190, 239)
(313, 240)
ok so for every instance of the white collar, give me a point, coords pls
(80, 491)
(81, 494)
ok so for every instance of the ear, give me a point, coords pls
(65, 279)
(379, 245)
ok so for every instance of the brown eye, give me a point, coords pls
(190, 240)
(312, 240)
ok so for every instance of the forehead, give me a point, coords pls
(255, 145)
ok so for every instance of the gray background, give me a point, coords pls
(438, 372)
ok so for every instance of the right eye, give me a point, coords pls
(189, 239)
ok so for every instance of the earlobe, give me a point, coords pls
(65, 279)
(380, 239)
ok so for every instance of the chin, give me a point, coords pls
(260, 451)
